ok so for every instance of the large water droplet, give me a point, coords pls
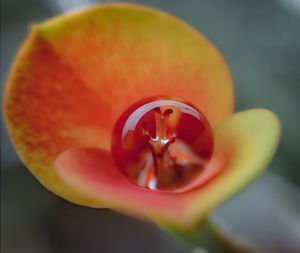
(162, 143)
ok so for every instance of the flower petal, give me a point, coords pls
(75, 74)
(246, 142)
(48, 110)
(93, 171)
(125, 52)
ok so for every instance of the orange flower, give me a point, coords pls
(75, 75)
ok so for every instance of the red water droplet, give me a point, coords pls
(162, 143)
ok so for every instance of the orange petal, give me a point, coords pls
(75, 74)
(48, 110)
(125, 52)
(244, 145)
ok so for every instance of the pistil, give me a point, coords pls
(159, 144)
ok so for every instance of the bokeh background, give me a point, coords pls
(261, 43)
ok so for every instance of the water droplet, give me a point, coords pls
(162, 143)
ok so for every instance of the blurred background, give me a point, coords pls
(261, 43)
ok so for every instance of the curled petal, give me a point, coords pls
(244, 145)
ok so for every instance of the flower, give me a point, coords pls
(75, 74)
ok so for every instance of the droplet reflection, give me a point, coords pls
(162, 144)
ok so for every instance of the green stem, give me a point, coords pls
(207, 236)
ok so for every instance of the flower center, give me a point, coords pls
(162, 143)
